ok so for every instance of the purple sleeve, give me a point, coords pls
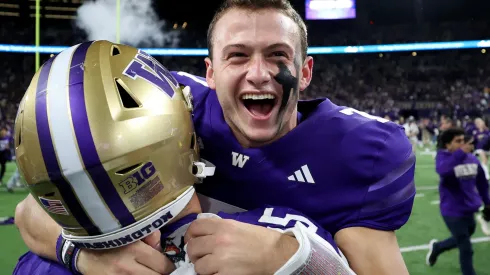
(198, 85)
(385, 166)
(33, 264)
(445, 162)
(199, 90)
(482, 186)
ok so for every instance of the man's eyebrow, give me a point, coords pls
(270, 47)
(240, 46)
(279, 45)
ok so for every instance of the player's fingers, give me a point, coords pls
(138, 269)
(153, 259)
(153, 240)
(207, 265)
(200, 246)
(201, 227)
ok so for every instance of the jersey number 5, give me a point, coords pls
(350, 111)
(268, 218)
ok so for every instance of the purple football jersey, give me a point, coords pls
(7, 220)
(462, 185)
(469, 128)
(269, 216)
(339, 166)
(4, 143)
(481, 137)
(32, 264)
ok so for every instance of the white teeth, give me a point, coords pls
(258, 96)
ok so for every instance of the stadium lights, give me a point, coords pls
(409, 47)
(13, 6)
(7, 13)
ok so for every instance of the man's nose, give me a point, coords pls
(258, 72)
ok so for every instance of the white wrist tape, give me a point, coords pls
(314, 255)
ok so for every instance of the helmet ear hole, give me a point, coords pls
(18, 129)
(19, 139)
(115, 50)
(193, 141)
(19, 136)
(127, 98)
(128, 169)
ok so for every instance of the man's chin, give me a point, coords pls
(259, 137)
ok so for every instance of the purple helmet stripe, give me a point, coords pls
(49, 155)
(86, 143)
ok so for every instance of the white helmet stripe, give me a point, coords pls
(66, 146)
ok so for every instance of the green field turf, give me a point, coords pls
(12, 245)
(424, 224)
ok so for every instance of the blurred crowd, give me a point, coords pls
(424, 85)
(402, 33)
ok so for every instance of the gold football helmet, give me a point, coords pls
(105, 142)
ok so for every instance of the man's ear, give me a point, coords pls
(306, 73)
(210, 73)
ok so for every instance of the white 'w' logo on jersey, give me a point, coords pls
(239, 159)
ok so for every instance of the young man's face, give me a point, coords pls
(456, 143)
(248, 48)
(479, 123)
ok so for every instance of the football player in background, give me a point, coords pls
(460, 176)
(14, 181)
(351, 172)
(446, 123)
(482, 135)
(468, 125)
(144, 184)
(4, 152)
(412, 132)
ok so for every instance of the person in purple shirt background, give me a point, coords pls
(468, 125)
(463, 189)
(4, 151)
(481, 135)
(446, 123)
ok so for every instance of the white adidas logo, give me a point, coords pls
(298, 176)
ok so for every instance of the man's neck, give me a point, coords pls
(287, 127)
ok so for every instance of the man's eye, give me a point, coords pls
(280, 54)
(236, 55)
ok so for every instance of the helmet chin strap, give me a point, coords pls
(136, 231)
(204, 168)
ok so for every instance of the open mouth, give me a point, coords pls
(259, 105)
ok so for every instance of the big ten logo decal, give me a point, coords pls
(149, 69)
(138, 178)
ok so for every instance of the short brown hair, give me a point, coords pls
(253, 5)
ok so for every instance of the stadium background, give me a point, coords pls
(420, 79)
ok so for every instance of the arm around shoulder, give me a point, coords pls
(367, 238)
(36, 228)
(371, 251)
